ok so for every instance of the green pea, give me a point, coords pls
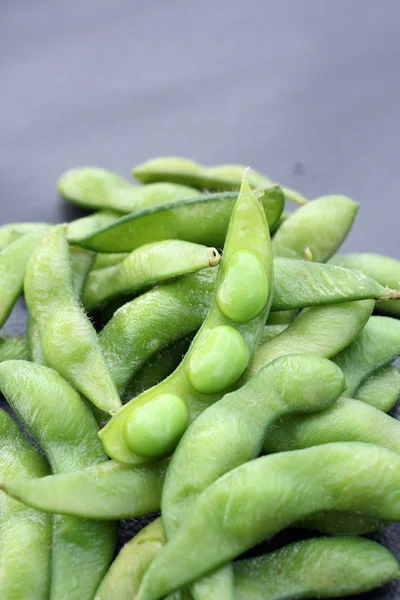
(155, 428)
(219, 361)
(244, 290)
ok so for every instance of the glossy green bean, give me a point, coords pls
(384, 269)
(55, 415)
(96, 188)
(25, 534)
(189, 172)
(256, 500)
(232, 430)
(13, 231)
(68, 339)
(320, 226)
(194, 382)
(377, 345)
(13, 347)
(13, 262)
(321, 330)
(382, 389)
(123, 578)
(144, 267)
(202, 220)
(107, 491)
(316, 568)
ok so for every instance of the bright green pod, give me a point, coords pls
(382, 389)
(99, 189)
(88, 225)
(13, 231)
(13, 347)
(203, 220)
(189, 172)
(244, 289)
(316, 568)
(145, 436)
(104, 260)
(377, 345)
(384, 269)
(125, 575)
(218, 361)
(146, 266)
(320, 227)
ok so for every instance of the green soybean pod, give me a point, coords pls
(188, 172)
(202, 220)
(320, 226)
(316, 568)
(63, 425)
(261, 497)
(96, 188)
(148, 265)
(13, 262)
(384, 269)
(104, 260)
(13, 347)
(88, 225)
(25, 534)
(107, 491)
(377, 345)
(223, 348)
(68, 339)
(123, 578)
(13, 231)
(321, 330)
(381, 389)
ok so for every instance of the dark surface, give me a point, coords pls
(306, 91)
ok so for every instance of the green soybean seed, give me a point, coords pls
(316, 568)
(96, 188)
(244, 289)
(25, 534)
(384, 269)
(382, 389)
(245, 507)
(218, 361)
(189, 172)
(202, 220)
(125, 575)
(321, 226)
(377, 345)
(146, 266)
(143, 434)
(247, 222)
(13, 347)
(107, 491)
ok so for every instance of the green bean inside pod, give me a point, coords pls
(226, 345)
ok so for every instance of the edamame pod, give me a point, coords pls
(321, 330)
(107, 491)
(194, 381)
(13, 262)
(189, 172)
(68, 339)
(256, 500)
(13, 347)
(124, 577)
(377, 345)
(13, 231)
(25, 534)
(202, 220)
(63, 425)
(104, 260)
(382, 389)
(96, 188)
(384, 269)
(316, 568)
(320, 226)
(88, 225)
(146, 266)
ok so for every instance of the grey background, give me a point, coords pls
(307, 91)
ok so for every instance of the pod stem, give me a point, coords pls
(216, 257)
(392, 295)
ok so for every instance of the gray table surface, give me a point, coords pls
(307, 91)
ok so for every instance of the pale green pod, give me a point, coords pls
(381, 389)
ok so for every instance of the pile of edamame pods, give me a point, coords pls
(194, 350)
